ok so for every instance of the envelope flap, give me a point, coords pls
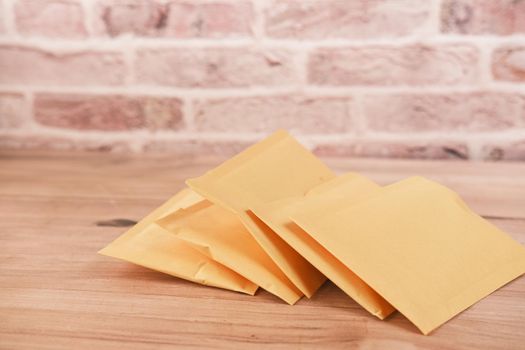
(276, 167)
(149, 245)
(224, 237)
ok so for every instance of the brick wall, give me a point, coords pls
(396, 78)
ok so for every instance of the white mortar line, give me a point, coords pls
(137, 144)
(475, 147)
(8, 15)
(485, 65)
(105, 43)
(433, 25)
(301, 68)
(308, 91)
(31, 123)
(129, 66)
(189, 114)
(89, 16)
(358, 115)
(503, 136)
(417, 136)
(258, 23)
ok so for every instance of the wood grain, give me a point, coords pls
(57, 293)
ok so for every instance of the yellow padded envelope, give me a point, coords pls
(220, 234)
(345, 189)
(149, 245)
(277, 167)
(420, 247)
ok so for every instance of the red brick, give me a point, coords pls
(22, 65)
(511, 151)
(508, 63)
(212, 20)
(481, 111)
(93, 112)
(386, 65)
(392, 149)
(345, 19)
(13, 110)
(311, 115)
(140, 17)
(50, 18)
(181, 19)
(502, 17)
(215, 67)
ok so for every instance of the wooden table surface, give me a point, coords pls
(56, 292)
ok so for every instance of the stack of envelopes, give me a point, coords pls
(276, 217)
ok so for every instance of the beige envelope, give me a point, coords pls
(220, 234)
(420, 247)
(343, 190)
(151, 246)
(277, 167)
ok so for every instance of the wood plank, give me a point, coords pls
(57, 293)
